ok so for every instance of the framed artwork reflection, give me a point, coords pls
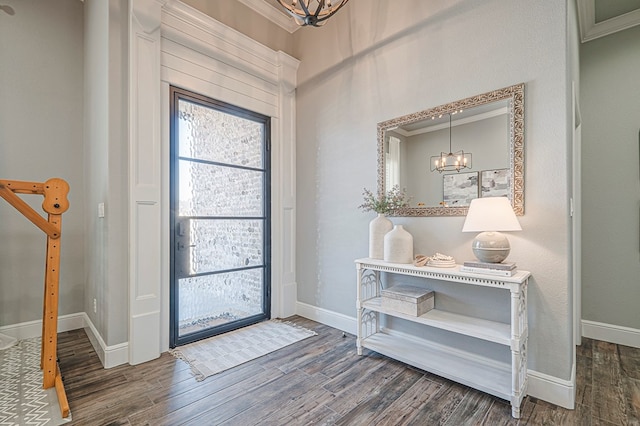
(459, 189)
(495, 183)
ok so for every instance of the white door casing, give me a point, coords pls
(144, 181)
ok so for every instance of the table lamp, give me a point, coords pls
(488, 216)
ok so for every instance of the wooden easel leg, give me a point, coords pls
(44, 308)
(50, 319)
(62, 396)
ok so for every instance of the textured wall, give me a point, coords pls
(96, 133)
(610, 107)
(370, 64)
(41, 117)
(106, 167)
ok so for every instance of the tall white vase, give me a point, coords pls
(378, 228)
(398, 246)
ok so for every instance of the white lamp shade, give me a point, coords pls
(491, 214)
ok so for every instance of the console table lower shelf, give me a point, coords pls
(487, 376)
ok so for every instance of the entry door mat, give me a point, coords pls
(23, 401)
(215, 354)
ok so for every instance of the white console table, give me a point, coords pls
(502, 380)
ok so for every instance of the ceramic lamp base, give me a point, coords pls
(491, 247)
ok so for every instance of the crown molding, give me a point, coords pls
(590, 30)
(270, 12)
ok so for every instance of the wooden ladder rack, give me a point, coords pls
(55, 203)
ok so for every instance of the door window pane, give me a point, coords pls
(208, 134)
(212, 190)
(213, 300)
(218, 245)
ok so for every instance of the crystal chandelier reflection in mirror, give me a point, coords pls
(312, 12)
(451, 161)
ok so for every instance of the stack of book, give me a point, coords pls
(505, 269)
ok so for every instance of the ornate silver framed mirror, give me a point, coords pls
(488, 129)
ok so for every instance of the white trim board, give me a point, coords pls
(553, 389)
(332, 319)
(110, 356)
(610, 333)
(542, 386)
(29, 329)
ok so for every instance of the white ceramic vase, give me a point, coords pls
(398, 246)
(378, 228)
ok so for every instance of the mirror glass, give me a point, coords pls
(488, 128)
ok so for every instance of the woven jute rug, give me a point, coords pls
(23, 401)
(215, 354)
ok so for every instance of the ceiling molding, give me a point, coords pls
(590, 30)
(272, 14)
(454, 123)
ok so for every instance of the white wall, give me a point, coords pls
(370, 64)
(105, 166)
(41, 118)
(610, 94)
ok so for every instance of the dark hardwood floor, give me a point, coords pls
(322, 380)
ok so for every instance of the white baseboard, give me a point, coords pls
(552, 389)
(110, 356)
(610, 333)
(29, 329)
(542, 386)
(327, 317)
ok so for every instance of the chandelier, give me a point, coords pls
(451, 161)
(312, 12)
